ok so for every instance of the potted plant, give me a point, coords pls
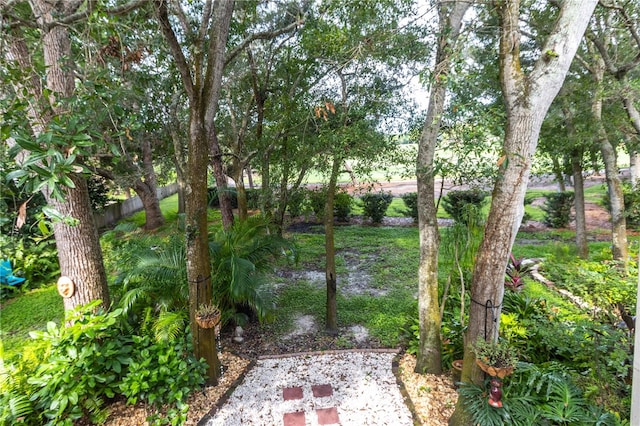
(207, 315)
(497, 359)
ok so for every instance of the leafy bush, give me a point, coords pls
(465, 206)
(35, 260)
(70, 372)
(375, 205)
(517, 269)
(410, 200)
(240, 257)
(253, 198)
(296, 201)
(83, 366)
(557, 209)
(317, 201)
(214, 201)
(163, 373)
(631, 198)
(98, 192)
(535, 395)
(342, 206)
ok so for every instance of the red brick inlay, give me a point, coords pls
(327, 416)
(320, 391)
(294, 419)
(292, 393)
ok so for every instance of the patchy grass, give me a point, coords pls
(27, 312)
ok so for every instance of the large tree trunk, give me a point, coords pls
(527, 99)
(79, 251)
(149, 196)
(429, 354)
(197, 247)
(78, 245)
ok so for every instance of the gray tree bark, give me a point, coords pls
(430, 351)
(527, 99)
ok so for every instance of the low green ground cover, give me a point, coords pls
(551, 333)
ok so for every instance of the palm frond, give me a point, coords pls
(170, 325)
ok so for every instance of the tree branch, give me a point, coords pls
(174, 45)
(91, 4)
(265, 35)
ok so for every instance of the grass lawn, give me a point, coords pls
(27, 312)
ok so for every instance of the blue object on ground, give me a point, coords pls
(6, 274)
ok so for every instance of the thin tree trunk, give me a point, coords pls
(226, 208)
(430, 350)
(147, 190)
(614, 185)
(330, 267)
(634, 164)
(557, 171)
(242, 197)
(578, 202)
(577, 154)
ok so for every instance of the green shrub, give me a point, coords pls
(35, 260)
(240, 257)
(375, 205)
(253, 198)
(98, 192)
(163, 373)
(342, 206)
(71, 372)
(465, 206)
(535, 395)
(631, 197)
(410, 200)
(83, 366)
(296, 201)
(317, 201)
(557, 209)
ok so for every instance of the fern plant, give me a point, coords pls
(535, 396)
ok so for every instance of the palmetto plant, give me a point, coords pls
(240, 257)
(155, 292)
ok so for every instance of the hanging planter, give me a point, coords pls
(493, 371)
(208, 316)
(498, 360)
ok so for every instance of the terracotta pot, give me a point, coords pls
(500, 372)
(456, 373)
